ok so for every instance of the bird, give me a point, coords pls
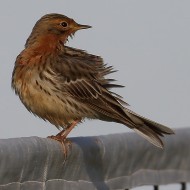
(66, 85)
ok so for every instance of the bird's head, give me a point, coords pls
(56, 25)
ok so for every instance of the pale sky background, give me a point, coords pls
(148, 41)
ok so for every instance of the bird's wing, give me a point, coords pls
(82, 76)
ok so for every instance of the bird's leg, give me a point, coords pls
(66, 131)
(62, 136)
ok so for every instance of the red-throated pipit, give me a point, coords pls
(65, 85)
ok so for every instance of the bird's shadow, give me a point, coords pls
(93, 160)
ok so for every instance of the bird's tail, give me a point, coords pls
(148, 129)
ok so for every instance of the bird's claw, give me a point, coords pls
(66, 144)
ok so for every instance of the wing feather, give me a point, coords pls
(83, 77)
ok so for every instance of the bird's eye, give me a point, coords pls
(64, 24)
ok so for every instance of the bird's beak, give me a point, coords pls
(80, 26)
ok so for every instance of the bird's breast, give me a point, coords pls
(45, 100)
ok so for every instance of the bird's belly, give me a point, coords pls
(58, 109)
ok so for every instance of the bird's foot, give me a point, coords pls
(62, 137)
(66, 144)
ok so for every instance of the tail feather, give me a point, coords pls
(148, 129)
(149, 135)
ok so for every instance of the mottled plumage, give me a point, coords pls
(65, 85)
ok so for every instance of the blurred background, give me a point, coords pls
(147, 41)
